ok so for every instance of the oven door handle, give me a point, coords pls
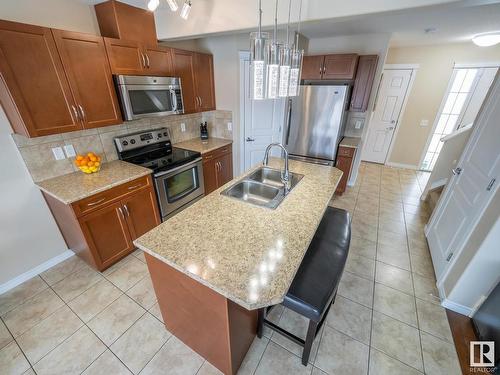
(177, 168)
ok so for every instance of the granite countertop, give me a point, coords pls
(247, 253)
(196, 144)
(72, 187)
(352, 142)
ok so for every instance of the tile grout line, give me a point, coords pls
(14, 339)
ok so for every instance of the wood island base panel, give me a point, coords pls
(213, 326)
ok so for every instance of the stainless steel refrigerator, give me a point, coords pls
(315, 123)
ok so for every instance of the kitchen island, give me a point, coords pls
(215, 263)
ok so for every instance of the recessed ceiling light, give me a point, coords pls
(487, 39)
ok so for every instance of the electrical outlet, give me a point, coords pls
(183, 127)
(58, 153)
(357, 124)
(230, 126)
(69, 150)
(424, 122)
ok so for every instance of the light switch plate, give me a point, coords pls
(230, 126)
(58, 153)
(357, 124)
(183, 127)
(424, 122)
(69, 150)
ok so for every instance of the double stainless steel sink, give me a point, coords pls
(262, 188)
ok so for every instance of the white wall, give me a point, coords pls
(28, 233)
(59, 14)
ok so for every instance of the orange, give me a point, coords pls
(79, 157)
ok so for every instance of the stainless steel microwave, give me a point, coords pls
(143, 96)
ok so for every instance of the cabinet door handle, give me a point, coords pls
(143, 60)
(126, 210)
(97, 202)
(134, 187)
(147, 60)
(121, 212)
(201, 101)
(75, 112)
(81, 111)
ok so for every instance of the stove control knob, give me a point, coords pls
(132, 141)
(165, 134)
(125, 143)
(159, 135)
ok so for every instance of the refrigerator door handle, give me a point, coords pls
(289, 121)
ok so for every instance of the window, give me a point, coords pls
(455, 109)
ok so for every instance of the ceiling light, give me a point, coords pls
(153, 4)
(259, 54)
(186, 8)
(173, 5)
(487, 39)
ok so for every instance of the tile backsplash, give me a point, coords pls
(38, 157)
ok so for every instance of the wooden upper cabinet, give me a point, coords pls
(184, 68)
(34, 91)
(123, 21)
(125, 57)
(363, 84)
(312, 67)
(159, 61)
(87, 68)
(204, 79)
(340, 66)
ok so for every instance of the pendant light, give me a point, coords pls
(259, 54)
(296, 62)
(173, 5)
(153, 4)
(186, 8)
(285, 60)
(273, 66)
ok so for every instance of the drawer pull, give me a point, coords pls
(94, 203)
(134, 187)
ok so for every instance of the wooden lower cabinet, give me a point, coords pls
(217, 168)
(345, 158)
(103, 232)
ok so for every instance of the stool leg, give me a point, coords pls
(311, 334)
(260, 322)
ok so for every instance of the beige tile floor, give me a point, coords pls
(386, 318)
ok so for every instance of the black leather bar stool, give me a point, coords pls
(314, 287)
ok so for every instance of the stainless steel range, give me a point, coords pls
(177, 173)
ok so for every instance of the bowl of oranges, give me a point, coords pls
(90, 163)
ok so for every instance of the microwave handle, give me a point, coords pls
(174, 99)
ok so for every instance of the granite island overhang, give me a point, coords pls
(218, 261)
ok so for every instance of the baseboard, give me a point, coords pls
(401, 165)
(35, 271)
(461, 309)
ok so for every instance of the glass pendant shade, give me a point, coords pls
(295, 72)
(285, 61)
(173, 5)
(273, 71)
(186, 8)
(259, 56)
(153, 4)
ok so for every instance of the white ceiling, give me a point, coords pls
(454, 22)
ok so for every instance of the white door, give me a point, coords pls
(392, 92)
(262, 121)
(469, 191)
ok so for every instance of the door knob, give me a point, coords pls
(390, 128)
(250, 139)
(456, 171)
(393, 121)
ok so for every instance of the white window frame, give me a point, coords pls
(445, 98)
